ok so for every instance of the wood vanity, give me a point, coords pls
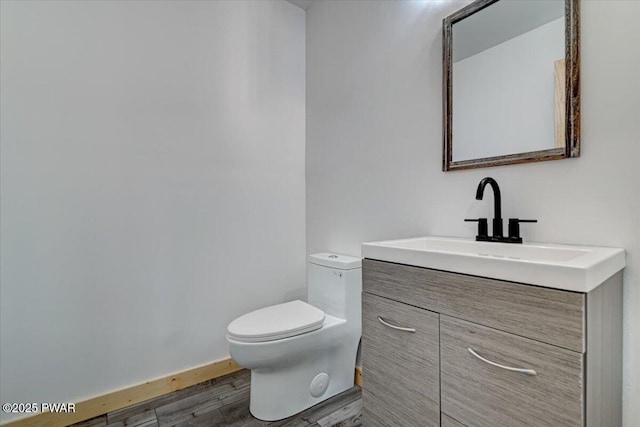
(447, 349)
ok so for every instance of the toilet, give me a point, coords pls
(302, 353)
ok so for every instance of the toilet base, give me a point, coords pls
(279, 394)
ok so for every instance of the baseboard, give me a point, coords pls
(119, 399)
(128, 396)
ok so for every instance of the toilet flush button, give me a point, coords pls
(319, 385)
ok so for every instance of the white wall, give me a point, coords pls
(504, 97)
(374, 143)
(152, 185)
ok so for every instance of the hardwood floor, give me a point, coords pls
(224, 402)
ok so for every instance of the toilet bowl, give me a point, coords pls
(302, 353)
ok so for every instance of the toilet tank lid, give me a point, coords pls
(341, 262)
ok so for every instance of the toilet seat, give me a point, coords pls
(276, 322)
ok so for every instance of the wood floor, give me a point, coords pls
(224, 402)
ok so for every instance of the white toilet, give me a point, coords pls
(303, 353)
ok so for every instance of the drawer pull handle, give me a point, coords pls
(508, 368)
(400, 328)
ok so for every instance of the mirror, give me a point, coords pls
(510, 83)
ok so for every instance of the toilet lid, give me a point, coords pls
(276, 322)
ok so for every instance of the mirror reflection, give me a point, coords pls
(508, 77)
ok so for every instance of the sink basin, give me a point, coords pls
(567, 267)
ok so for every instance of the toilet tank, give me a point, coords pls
(335, 284)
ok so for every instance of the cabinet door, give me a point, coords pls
(481, 389)
(401, 369)
(447, 421)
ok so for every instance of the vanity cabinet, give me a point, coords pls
(487, 353)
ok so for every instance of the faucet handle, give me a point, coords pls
(514, 228)
(483, 228)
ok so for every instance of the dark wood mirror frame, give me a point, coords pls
(572, 94)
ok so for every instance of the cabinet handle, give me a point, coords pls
(508, 368)
(400, 328)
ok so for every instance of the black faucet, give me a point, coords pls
(497, 204)
(514, 223)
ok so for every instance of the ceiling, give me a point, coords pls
(500, 22)
(302, 3)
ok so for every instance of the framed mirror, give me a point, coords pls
(511, 86)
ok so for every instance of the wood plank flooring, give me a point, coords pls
(224, 402)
